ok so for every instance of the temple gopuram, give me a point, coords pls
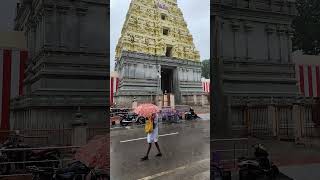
(156, 56)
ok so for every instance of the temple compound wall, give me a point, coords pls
(257, 91)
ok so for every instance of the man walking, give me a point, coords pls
(153, 136)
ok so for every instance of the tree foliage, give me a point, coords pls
(206, 69)
(307, 27)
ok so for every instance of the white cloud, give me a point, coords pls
(196, 14)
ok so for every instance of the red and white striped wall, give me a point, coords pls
(206, 85)
(308, 76)
(114, 85)
(12, 65)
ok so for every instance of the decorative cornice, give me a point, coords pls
(134, 56)
(268, 101)
(63, 9)
(279, 2)
(274, 6)
(48, 7)
(81, 10)
(270, 29)
(281, 30)
(235, 26)
(57, 101)
(248, 27)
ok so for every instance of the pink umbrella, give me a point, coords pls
(96, 153)
(146, 110)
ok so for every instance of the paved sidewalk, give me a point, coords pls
(204, 116)
(302, 172)
(193, 171)
(284, 153)
(295, 161)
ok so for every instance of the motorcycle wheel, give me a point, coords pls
(246, 174)
(274, 172)
(123, 123)
(242, 174)
(141, 120)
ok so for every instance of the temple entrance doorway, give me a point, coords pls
(167, 80)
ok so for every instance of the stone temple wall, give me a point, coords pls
(251, 59)
(254, 45)
(68, 64)
(138, 78)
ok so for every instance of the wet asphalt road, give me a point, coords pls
(302, 172)
(185, 148)
(186, 154)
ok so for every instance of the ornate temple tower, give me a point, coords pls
(67, 67)
(155, 53)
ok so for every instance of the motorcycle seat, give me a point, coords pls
(249, 162)
(67, 175)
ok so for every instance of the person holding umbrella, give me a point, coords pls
(152, 137)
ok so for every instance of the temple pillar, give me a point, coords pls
(297, 120)
(172, 101)
(272, 119)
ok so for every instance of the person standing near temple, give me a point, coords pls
(152, 137)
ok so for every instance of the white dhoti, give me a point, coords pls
(153, 136)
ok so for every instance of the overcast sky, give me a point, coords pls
(196, 14)
(7, 12)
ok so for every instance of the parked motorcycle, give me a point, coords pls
(7, 155)
(170, 115)
(258, 167)
(74, 171)
(191, 115)
(131, 118)
(41, 173)
(50, 155)
(95, 174)
(13, 142)
(4, 168)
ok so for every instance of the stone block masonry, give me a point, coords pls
(68, 63)
(138, 78)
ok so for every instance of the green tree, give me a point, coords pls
(206, 69)
(307, 27)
